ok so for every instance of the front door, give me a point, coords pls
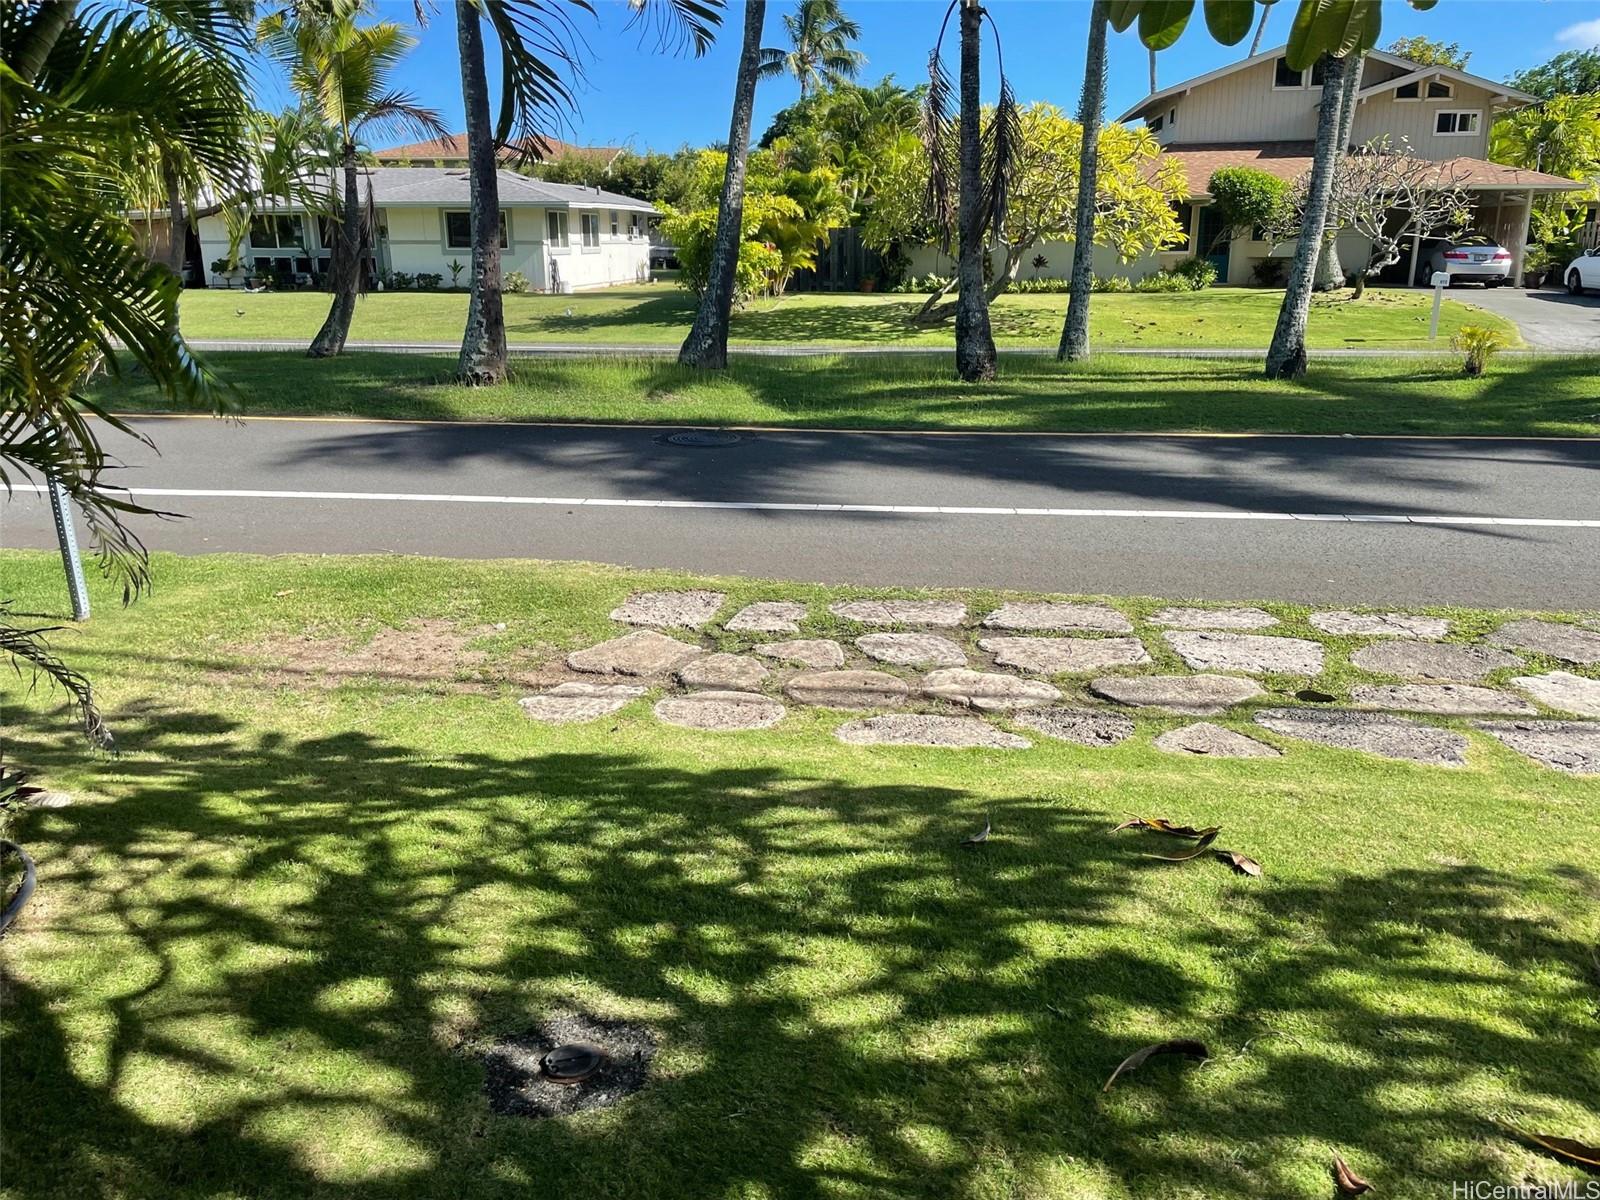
(1206, 244)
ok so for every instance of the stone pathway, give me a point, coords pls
(1064, 655)
(1204, 739)
(1247, 652)
(738, 685)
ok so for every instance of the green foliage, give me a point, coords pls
(1200, 272)
(1479, 343)
(1429, 53)
(1572, 72)
(694, 234)
(1112, 283)
(820, 55)
(1559, 137)
(456, 267)
(1163, 281)
(515, 282)
(653, 176)
(428, 281)
(1246, 197)
(401, 280)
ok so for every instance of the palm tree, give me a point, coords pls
(342, 70)
(707, 343)
(536, 39)
(820, 34)
(1091, 111)
(1261, 28)
(86, 101)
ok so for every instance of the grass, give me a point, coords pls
(661, 314)
(1549, 396)
(271, 937)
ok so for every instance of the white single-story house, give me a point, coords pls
(561, 237)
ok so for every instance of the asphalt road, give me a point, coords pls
(1323, 520)
(1548, 318)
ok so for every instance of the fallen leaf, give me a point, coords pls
(1241, 863)
(1185, 1046)
(1199, 849)
(1162, 825)
(1566, 1149)
(978, 838)
(285, 592)
(1349, 1182)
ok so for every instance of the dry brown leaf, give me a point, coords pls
(1241, 863)
(1566, 1149)
(1162, 825)
(1199, 849)
(1185, 1046)
(1349, 1182)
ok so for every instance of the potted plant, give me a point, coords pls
(226, 267)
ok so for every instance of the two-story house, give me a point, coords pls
(1260, 113)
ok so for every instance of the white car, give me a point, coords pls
(1471, 258)
(1583, 272)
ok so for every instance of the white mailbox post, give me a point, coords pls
(1441, 280)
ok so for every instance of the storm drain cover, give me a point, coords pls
(703, 439)
(570, 1063)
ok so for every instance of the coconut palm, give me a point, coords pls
(820, 36)
(342, 70)
(537, 40)
(707, 342)
(1091, 112)
(81, 99)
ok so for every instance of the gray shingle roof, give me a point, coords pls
(432, 186)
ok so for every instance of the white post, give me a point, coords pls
(1440, 279)
(1411, 271)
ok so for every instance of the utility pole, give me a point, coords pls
(66, 535)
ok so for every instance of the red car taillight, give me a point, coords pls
(1456, 255)
(1503, 256)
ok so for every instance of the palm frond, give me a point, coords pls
(938, 133)
(30, 656)
(400, 114)
(538, 41)
(1002, 150)
(678, 25)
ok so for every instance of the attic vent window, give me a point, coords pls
(1439, 91)
(1408, 91)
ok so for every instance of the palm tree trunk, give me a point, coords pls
(1261, 27)
(1286, 358)
(707, 343)
(483, 344)
(1152, 72)
(975, 355)
(331, 337)
(177, 234)
(49, 22)
(1330, 271)
(1091, 110)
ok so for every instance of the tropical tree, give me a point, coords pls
(81, 97)
(1570, 73)
(820, 54)
(971, 167)
(1429, 53)
(1261, 27)
(342, 70)
(707, 343)
(1560, 136)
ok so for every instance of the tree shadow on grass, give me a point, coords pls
(302, 942)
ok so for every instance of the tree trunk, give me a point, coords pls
(49, 22)
(1091, 110)
(1261, 27)
(1330, 271)
(929, 315)
(483, 343)
(1152, 70)
(707, 343)
(331, 337)
(1286, 358)
(177, 235)
(975, 354)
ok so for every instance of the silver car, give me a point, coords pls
(1470, 258)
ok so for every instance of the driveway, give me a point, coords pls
(1549, 318)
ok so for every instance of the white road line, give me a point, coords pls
(1148, 514)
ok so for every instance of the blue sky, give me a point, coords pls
(633, 95)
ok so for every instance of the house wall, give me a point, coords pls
(1414, 121)
(416, 244)
(930, 260)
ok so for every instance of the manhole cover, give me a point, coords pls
(572, 1063)
(704, 439)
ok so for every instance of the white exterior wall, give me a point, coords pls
(416, 243)
(930, 260)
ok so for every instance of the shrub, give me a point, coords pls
(1163, 281)
(429, 282)
(1200, 273)
(1040, 262)
(402, 280)
(515, 282)
(1113, 283)
(1479, 343)
(456, 267)
(919, 284)
(1247, 196)
(1046, 287)
(1270, 272)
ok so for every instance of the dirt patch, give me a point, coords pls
(517, 1087)
(429, 654)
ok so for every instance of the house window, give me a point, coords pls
(1440, 91)
(282, 232)
(1283, 77)
(636, 225)
(1154, 124)
(1408, 91)
(589, 226)
(613, 224)
(1172, 117)
(1454, 124)
(1185, 215)
(555, 224)
(458, 230)
(1316, 71)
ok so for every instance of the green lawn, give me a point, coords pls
(1550, 396)
(271, 937)
(660, 314)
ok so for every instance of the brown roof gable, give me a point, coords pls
(1289, 160)
(455, 146)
